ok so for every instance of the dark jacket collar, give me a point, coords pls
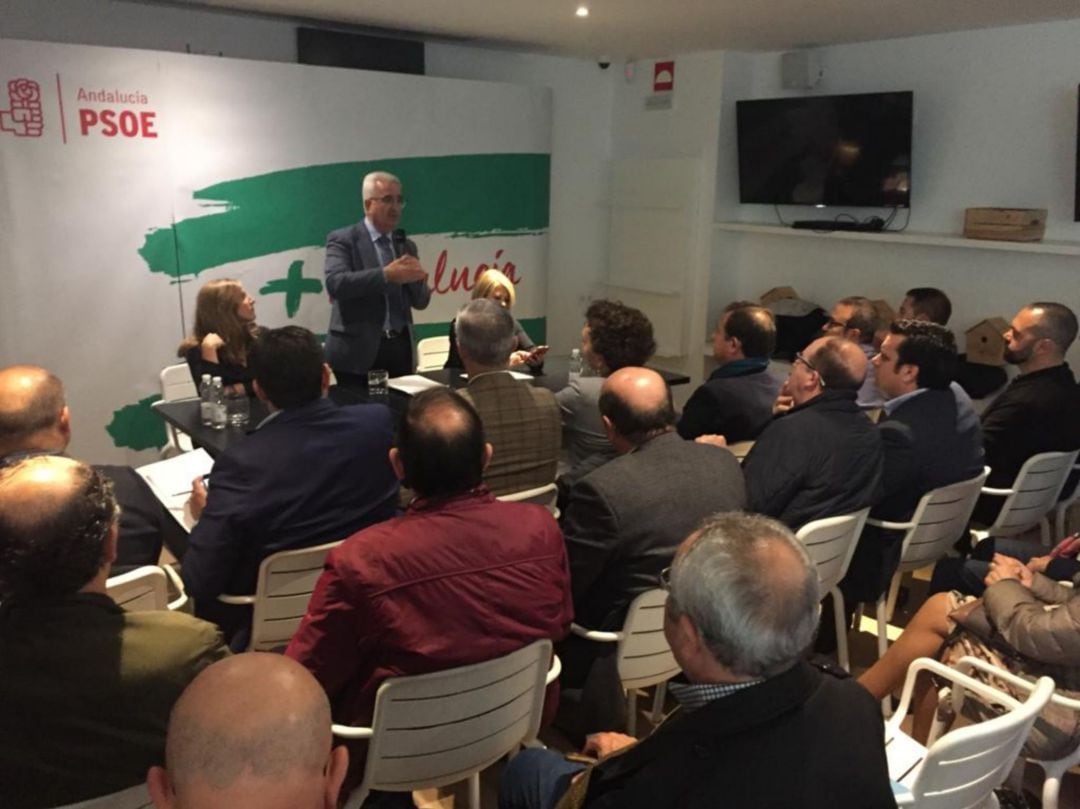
(1060, 374)
(743, 367)
(828, 399)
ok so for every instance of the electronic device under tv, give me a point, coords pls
(842, 150)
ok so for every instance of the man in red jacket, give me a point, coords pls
(459, 578)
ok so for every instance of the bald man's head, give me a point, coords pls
(636, 404)
(440, 444)
(250, 731)
(57, 527)
(32, 410)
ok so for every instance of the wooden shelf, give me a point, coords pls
(906, 237)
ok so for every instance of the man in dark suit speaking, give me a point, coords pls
(375, 280)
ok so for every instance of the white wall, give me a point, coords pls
(995, 124)
(581, 116)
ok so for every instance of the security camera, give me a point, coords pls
(604, 62)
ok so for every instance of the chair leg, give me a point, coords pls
(894, 591)
(841, 629)
(631, 712)
(474, 791)
(1052, 785)
(1044, 531)
(658, 703)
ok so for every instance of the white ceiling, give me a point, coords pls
(622, 29)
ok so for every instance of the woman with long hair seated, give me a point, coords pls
(1024, 623)
(496, 286)
(224, 333)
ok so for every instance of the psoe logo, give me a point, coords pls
(23, 117)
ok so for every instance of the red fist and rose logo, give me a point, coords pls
(23, 116)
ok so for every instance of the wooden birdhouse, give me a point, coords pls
(985, 341)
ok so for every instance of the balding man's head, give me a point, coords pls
(828, 363)
(57, 527)
(636, 406)
(250, 731)
(33, 415)
(440, 449)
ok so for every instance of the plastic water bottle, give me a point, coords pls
(205, 405)
(218, 415)
(574, 369)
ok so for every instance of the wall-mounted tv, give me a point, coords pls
(850, 150)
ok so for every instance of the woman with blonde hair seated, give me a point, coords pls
(494, 285)
(224, 333)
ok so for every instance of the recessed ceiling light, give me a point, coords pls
(582, 11)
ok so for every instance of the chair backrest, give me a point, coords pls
(285, 584)
(432, 352)
(136, 797)
(964, 766)
(142, 589)
(545, 496)
(436, 729)
(940, 519)
(176, 383)
(644, 657)
(1036, 490)
(830, 542)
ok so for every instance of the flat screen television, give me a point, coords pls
(850, 150)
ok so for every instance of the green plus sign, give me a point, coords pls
(294, 284)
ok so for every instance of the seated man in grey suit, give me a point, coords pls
(521, 422)
(625, 520)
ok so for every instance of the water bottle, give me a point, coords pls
(574, 370)
(218, 415)
(206, 404)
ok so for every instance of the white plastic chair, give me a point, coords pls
(440, 728)
(282, 592)
(643, 657)
(432, 352)
(545, 496)
(1054, 770)
(1033, 495)
(146, 588)
(940, 518)
(176, 383)
(831, 544)
(136, 797)
(961, 769)
(1060, 523)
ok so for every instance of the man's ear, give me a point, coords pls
(609, 428)
(112, 541)
(488, 452)
(855, 335)
(396, 464)
(64, 424)
(259, 392)
(159, 787)
(336, 768)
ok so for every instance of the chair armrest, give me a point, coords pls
(996, 492)
(596, 635)
(348, 732)
(241, 600)
(174, 577)
(964, 664)
(892, 526)
(554, 671)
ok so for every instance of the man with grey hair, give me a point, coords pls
(35, 420)
(250, 731)
(521, 422)
(758, 725)
(375, 280)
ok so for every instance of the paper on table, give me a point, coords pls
(170, 481)
(413, 383)
(515, 374)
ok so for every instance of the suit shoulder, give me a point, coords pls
(174, 637)
(345, 234)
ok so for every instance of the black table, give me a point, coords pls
(183, 414)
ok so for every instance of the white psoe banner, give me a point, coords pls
(130, 178)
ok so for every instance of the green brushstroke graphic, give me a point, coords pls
(294, 284)
(137, 426)
(507, 194)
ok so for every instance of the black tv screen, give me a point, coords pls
(852, 150)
